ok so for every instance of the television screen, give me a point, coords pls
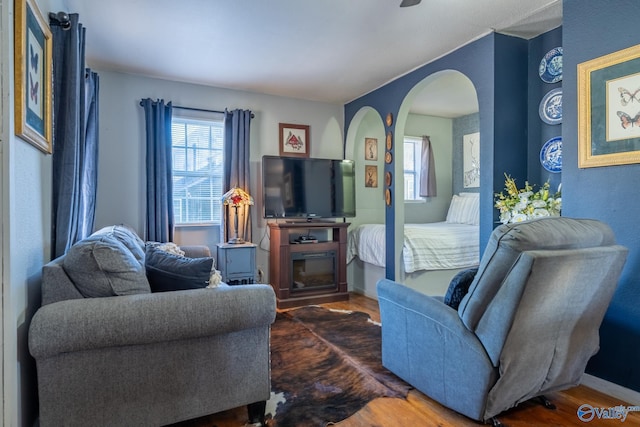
(295, 187)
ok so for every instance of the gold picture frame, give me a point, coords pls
(294, 140)
(609, 109)
(371, 176)
(371, 149)
(33, 76)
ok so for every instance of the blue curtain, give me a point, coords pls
(160, 221)
(237, 124)
(75, 138)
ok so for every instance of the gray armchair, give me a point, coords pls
(149, 359)
(527, 326)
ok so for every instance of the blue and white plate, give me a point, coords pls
(550, 70)
(551, 155)
(551, 107)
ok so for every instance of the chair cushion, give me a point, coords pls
(102, 266)
(170, 272)
(459, 286)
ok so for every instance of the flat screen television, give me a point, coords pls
(296, 187)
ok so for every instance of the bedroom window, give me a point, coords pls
(197, 147)
(412, 155)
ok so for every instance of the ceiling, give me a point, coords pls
(324, 50)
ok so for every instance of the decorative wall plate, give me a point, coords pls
(550, 109)
(550, 70)
(388, 157)
(389, 140)
(551, 155)
(387, 197)
(387, 179)
(389, 119)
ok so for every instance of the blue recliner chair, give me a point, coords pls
(527, 325)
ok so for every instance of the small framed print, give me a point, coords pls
(389, 119)
(294, 140)
(389, 140)
(371, 176)
(33, 75)
(370, 149)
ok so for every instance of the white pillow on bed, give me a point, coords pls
(464, 210)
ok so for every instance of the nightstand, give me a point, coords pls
(237, 263)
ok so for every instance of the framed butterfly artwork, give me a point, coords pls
(609, 109)
(33, 76)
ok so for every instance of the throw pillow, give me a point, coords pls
(459, 286)
(170, 272)
(127, 237)
(102, 266)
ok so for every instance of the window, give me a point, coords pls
(412, 166)
(197, 147)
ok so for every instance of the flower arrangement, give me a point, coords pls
(519, 205)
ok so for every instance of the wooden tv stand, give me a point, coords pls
(291, 258)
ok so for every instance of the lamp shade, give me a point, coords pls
(236, 197)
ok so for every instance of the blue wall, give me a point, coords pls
(539, 131)
(606, 193)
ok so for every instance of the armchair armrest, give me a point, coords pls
(94, 323)
(425, 342)
(196, 251)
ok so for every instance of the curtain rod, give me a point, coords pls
(200, 109)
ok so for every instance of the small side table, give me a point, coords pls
(237, 263)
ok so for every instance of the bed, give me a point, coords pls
(432, 253)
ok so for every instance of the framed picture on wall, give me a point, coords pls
(609, 109)
(371, 176)
(471, 160)
(294, 140)
(33, 76)
(370, 149)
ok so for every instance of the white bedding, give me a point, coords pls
(433, 246)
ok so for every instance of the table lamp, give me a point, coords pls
(235, 198)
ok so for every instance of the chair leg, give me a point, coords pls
(256, 412)
(546, 402)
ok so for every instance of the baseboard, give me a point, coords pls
(365, 293)
(625, 395)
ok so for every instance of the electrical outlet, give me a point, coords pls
(260, 274)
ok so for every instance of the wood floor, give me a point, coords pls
(419, 410)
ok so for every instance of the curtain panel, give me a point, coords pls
(160, 221)
(75, 138)
(237, 125)
(428, 185)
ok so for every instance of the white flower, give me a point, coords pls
(521, 206)
(538, 213)
(519, 217)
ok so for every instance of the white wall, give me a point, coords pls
(26, 211)
(121, 168)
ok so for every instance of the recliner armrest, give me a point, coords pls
(93, 323)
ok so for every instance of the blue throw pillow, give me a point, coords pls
(169, 272)
(459, 286)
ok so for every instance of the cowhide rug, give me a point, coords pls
(325, 366)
